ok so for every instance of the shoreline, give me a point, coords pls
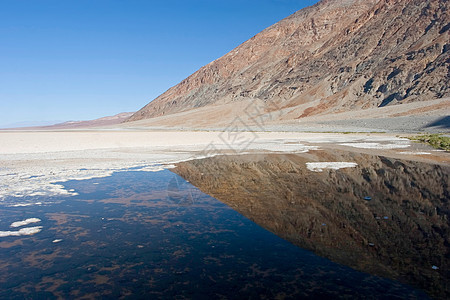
(34, 164)
(30, 162)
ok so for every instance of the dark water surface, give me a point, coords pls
(384, 216)
(153, 235)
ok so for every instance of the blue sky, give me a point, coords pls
(84, 59)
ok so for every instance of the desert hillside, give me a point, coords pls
(335, 56)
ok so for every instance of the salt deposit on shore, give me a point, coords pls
(415, 153)
(376, 145)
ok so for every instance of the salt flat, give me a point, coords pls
(31, 162)
(33, 142)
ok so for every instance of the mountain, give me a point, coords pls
(104, 121)
(29, 124)
(334, 56)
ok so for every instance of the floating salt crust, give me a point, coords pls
(320, 166)
(25, 222)
(23, 231)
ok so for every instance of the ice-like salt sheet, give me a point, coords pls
(375, 145)
(23, 231)
(320, 166)
(25, 222)
(155, 168)
(415, 153)
(26, 204)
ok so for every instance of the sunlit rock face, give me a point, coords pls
(384, 216)
(333, 56)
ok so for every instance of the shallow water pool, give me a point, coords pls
(153, 235)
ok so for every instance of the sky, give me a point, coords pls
(64, 60)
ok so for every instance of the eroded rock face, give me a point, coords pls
(336, 55)
(385, 216)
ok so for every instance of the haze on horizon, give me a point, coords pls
(80, 60)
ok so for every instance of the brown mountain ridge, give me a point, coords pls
(334, 56)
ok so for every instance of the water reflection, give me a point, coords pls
(384, 216)
(137, 235)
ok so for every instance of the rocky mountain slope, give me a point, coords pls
(335, 56)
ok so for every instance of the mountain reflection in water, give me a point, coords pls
(385, 216)
(141, 235)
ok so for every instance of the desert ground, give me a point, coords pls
(32, 161)
(255, 115)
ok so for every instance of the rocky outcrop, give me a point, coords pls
(385, 216)
(334, 56)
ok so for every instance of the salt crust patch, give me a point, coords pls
(321, 139)
(415, 153)
(320, 166)
(23, 231)
(375, 145)
(25, 222)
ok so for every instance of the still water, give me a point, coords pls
(153, 235)
(384, 216)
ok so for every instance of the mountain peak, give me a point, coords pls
(333, 56)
